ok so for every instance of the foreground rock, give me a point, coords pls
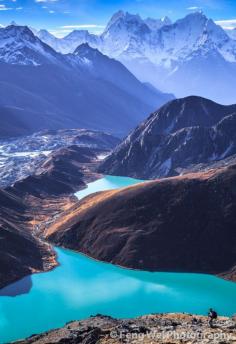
(183, 224)
(163, 328)
(178, 138)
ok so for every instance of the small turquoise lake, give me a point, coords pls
(81, 287)
(107, 183)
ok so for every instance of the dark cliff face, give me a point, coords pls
(182, 224)
(183, 133)
(20, 253)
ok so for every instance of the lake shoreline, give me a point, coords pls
(136, 269)
(53, 263)
(229, 275)
(81, 286)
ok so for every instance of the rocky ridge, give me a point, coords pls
(182, 136)
(149, 329)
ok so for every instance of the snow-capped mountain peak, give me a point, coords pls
(85, 50)
(121, 21)
(123, 31)
(156, 24)
(121, 18)
(49, 39)
(42, 34)
(84, 55)
(190, 52)
(18, 45)
(186, 57)
(70, 42)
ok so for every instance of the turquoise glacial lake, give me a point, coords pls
(81, 287)
(107, 183)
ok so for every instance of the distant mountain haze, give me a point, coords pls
(192, 56)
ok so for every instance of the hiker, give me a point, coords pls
(212, 315)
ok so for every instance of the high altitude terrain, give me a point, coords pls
(43, 89)
(190, 56)
(184, 135)
(40, 192)
(22, 156)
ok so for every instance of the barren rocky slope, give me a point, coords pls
(182, 224)
(177, 138)
(20, 252)
(61, 173)
(150, 329)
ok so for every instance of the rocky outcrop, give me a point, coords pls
(178, 137)
(159, 329)
(182, 224)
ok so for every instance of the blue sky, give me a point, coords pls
(61, 16)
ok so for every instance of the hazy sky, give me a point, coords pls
(61, 16)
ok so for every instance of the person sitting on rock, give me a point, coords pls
(212, 315)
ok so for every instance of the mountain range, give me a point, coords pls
(71, 41)
(89, 85)
(192, 56)
(179, 136)
(43, 89)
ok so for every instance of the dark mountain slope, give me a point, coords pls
(53, 98)
(61, 173)
(181, 134)
(177, 224)
(31, 203)
(112, 71)
(20, 253)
